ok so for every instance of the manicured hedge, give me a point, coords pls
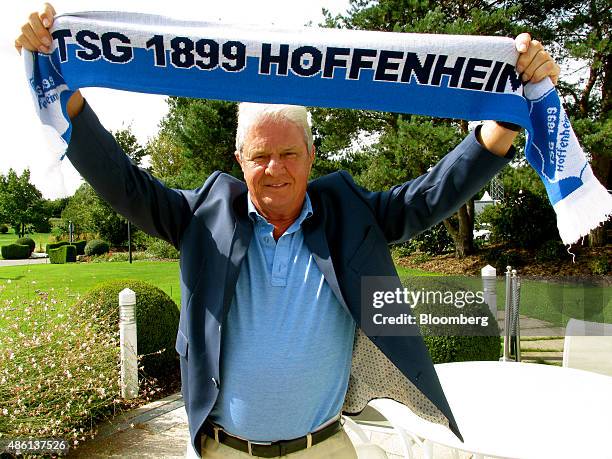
(80, 246)
(55, 245)
(15, 252)
(3, 229)
(63, 254)
(96, 247)
(27, 241)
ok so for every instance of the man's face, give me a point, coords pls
(276, 164)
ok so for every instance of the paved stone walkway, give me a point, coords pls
(27, 261)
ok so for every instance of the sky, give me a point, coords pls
(24, 143)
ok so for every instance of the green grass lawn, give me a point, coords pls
(552, 301)
(42, 239)
(71, 280)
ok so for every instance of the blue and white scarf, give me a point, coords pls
(447, 76)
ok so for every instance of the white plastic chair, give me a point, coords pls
(408, 440)
(588, 346)
(364, 448)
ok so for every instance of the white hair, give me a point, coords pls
(250, 113)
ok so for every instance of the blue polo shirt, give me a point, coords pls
(287, 343)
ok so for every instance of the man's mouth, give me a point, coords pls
(277, 185)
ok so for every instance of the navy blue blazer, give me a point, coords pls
(348, 234)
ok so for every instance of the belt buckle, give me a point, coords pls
(259, 443)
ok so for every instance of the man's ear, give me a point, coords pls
(238, 158)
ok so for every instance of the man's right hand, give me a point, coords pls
(35, 36)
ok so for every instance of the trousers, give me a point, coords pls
(338, 446)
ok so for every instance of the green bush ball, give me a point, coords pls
(157, 319)
(96, 247)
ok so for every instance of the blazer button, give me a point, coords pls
(215, 382)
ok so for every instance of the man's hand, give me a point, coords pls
(534, 64)
(35, 36)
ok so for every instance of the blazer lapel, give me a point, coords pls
(243, 232)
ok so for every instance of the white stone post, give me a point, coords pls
(489, 288)
(128, 343)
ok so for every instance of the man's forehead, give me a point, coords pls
(281, 133)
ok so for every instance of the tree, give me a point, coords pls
(466, 17)
(204, 132)
(167, 159)
(129, 144)
(21, 204)
(91, 214)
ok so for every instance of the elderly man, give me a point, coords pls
(269, 338)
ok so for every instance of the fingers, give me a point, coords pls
(536, 64)
(522, 42)
(40, 32)
(35, 35)
(47, 15)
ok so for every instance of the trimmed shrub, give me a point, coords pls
(15, 252)
(27, 241)
(456, 343)
(55, 245)
(3, 229)
(157, 318)
(80, 246)
(161, 249)
(63, 254)
(96, 247)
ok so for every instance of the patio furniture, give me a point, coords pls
(588, 346)
(364, 448)
(516, 410)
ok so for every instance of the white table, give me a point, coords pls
(517, 410)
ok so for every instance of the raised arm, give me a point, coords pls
(131, 191)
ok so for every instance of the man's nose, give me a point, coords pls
(275, 165)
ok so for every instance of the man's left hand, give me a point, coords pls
(534, 63)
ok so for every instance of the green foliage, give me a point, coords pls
(167, 159)
(55, 245)
(600, 266)
(523, 219)
(63, 254)
(96, 247)
(3, 229)
(407, 151)
(157, 318)
(90, 214)
(456, 342)
(551, 251)
(80, 246)
(15, 252)
(501, 257)
(434, 241)
(129, 144)
(31, 243)
(159, 248)
(21, 204)
(204, 132)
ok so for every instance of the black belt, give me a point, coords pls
(270, 449)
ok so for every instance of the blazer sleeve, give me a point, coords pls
(412, 207)
(156, 209)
